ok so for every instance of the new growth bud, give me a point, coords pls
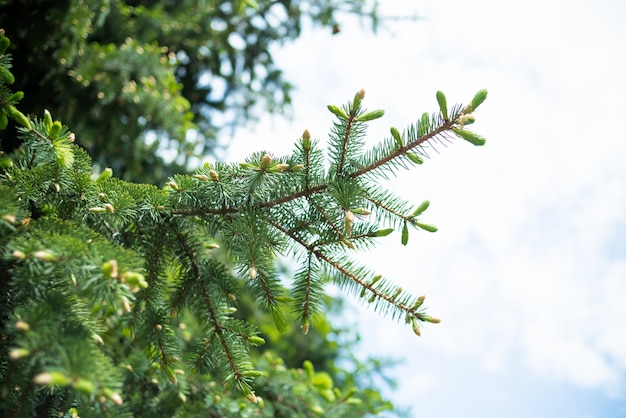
(466, 120)
(305, 325)
(419, 302)
(430, 319)
(20, 255)
(252, 273)
(360, 95)
(349, 216)
(18, 116)
(116, 399)
(44, 256)
(337, 112)
(22, 326)
(306, 140)
(135, 281)
(421, 208)
(469, 136)
(256, 340)
(426, 227)
(266, 161)
(362, 211)
(443, 106)
(110, 269)
(414, 158)
(53, 132)
(201, 177)
(416, 328)
(478, 99)
(51, 379)
(4, 42)
(396, 136)
(47, 119)
(18, 353)
(383, 232)
(375, 114)
(405, 234)
(9, 218)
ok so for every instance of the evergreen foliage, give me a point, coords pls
(115, 300)
(134, 77)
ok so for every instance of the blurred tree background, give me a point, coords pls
(141, 80)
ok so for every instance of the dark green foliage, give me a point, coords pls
(136, 78)
(115, 300)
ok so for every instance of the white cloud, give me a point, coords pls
(552, 352)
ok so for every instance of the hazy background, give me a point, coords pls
(528, 269)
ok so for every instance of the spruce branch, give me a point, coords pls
(71, 273)
(239, 368)
(341, 190)
(384, 293)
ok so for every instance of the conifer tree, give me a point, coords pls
(114, 301)
(137, 78)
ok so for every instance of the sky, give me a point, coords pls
(528, 268)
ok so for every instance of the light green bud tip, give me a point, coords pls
(54, 130)
(421, 208)
(256, 340)
(106, 173)
(306, 140)
(44, 256)
(416, 159)
(470, 136)
(371, 115)
(135, 281)
(443, 106)
(396, 136)
(383, 232)
(405, 234)
(427, 227)
(337, 112)
(4, 44)
(19, 117)
(479, 98)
